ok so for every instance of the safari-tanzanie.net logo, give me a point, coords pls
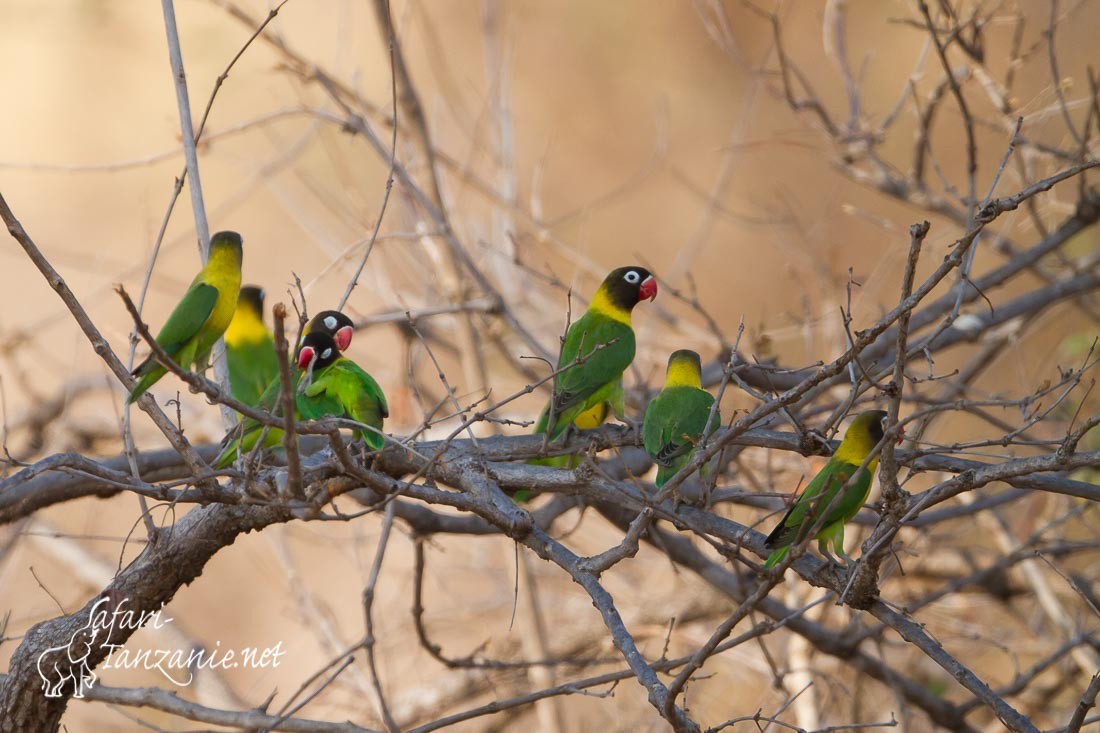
(68, 663)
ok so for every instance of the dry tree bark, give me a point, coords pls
(461, 486)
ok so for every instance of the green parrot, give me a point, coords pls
(862, 436)
(336, 386)
(677, 417)
(338, 327)
(250, 348)
(584, 393)
(201, 316)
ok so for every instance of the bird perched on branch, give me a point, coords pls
(835, 494)
(201, 316)
(335, 386)
(250, 348)
(678, 416)
(597, 349)
(334, 325)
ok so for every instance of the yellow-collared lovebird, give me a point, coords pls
(335, 386)
(677, 417)
(602, 343)
(820, 495)
(201, 317)
(243, 438)
(335, 324)
(250, 348)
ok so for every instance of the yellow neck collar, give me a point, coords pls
(246, 327)
(604, 306)
(683, 374)
(854, 449)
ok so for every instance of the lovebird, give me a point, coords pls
(334, 325)
(201, 316)
(677, 417)
(250, 348)
(335, 386)
(862, 436)
(604, 338)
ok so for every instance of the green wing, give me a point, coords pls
(674, 422)
(244, 437)
(344, 389)
(600, 369)
(322, 397)
(269, 398)
(188, 318)
(177, 337)
(370, 409)
(817, 497)
(596, 380)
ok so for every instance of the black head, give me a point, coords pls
(317, 352)
(335, 324)
(686, 357)
(226, 240)
(876, 424)
(625, 286)
(253, 297)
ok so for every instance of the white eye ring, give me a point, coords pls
(330, 323)
(326, 354)
(632, 277)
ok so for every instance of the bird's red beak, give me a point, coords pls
(648, 289)
(343, 338)
(901, 435)
(306, 357)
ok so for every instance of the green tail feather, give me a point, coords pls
(149, 376)
(227, 456)
(245, 444)
(374, 441)
(540, 429)
(561, 423)
(664, 473)
(568, 461)
(777, 557)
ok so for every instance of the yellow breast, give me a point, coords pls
(223, 271)
(603, 305)
(245, 328)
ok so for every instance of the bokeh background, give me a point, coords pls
(574, 137)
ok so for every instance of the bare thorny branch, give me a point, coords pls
(460, 486)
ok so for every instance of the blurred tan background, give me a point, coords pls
(609, 126)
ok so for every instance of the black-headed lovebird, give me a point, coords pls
(676, 418)
(601, 342)
(243, 438)
(201, 316)
(335, 386)
(335, 324)
(820, 495)
(250, 348)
